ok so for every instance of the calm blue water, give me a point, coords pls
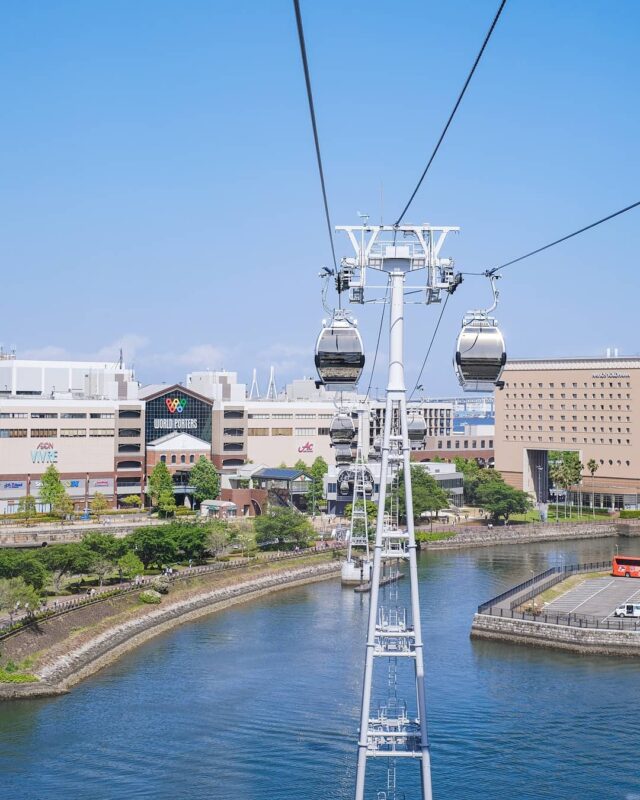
(261, 701)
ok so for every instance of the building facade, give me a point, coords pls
(589, 406)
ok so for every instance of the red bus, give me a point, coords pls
(628, 566)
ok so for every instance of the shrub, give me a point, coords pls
(629, 514)
(161, 584)
(7, 676)
(150, 597)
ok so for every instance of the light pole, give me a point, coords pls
(540, 501)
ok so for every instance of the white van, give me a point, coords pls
(627, 610)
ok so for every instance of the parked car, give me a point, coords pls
(627, 610)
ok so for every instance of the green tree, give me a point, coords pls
(592, 466)
(167, 503)
(15, 590)
(27, 506)
(63, 505)
(372, 517)
(160, 481)
(283, 529)
(474, 477)
(301, 465)
(565, 471)
(51, 490)
(318, 470)
(132, 501)
(190, 541)
(427, 493)
(99, 504)
(152, 545)
(130, 565)
(502, 500)
(205, 480)
(217, 536)
(105, 545)
(67, 559)
(24, 564)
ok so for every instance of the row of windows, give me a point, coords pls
(62, 415)
(573, 396)
(574, 418)
(183, 459)
(574, 407)
(51, 433)
(574, 385)
(574, 429)
(288, 431)
(574, 439)
(475, 444)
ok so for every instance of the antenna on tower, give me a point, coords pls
(254, 393)
(272, 391)
(121, 360)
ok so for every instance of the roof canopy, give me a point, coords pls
(179, 441)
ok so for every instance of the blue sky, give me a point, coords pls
(159, 188)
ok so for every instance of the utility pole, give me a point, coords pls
(392, 730)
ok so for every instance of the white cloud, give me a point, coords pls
(49, 352)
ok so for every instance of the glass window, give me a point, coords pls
(73, 432)
(183, 459)
(130, 413)
(258, 431)
(40, 433)
(101, 415)
(173, 459)
(13, 433)
(192, 458)
(129, 433)
(305, 431)
(282, 431)
(163, 459)
(41, 415)
(72, 415)
(96, 432)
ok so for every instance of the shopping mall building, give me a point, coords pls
(84, 417)
(590, 406)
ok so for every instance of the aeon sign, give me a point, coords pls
(44, 454)
(176, 404)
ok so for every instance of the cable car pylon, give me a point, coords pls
(358, 570)
(394, 636)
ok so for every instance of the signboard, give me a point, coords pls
(174, 424)
(610, 375)
(102, 485)
(306, 448)
(74, 487)
(45, 453)
(13, 488)
(177, 412)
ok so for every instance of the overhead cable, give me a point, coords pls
(305, 65)
(453, 113)
(493, 271)
(433, 338)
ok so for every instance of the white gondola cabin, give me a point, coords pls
(339, 354)
(480, 353)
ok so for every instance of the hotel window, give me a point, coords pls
(101, 415)
(95, 432)
(282, 431)
(73, 433)
(305, 431)
(72, 415)
(258, 431)
(13, 433)
(42, 415)
(41, 433)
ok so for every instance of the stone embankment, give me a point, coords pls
(55, 533)
(59, 672)
(525, 533)
(559, 637)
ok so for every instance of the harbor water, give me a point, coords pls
(261, 701)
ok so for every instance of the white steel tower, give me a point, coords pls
(394, 637)
(353, 571)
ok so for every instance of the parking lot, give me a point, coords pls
(597, 597)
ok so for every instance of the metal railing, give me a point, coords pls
(569, 620)
(559, 574)
(57, 608)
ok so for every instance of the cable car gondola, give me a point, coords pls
(344, 454)
(341, 429)
(339, 354)
(417, 430)
(480, 350)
